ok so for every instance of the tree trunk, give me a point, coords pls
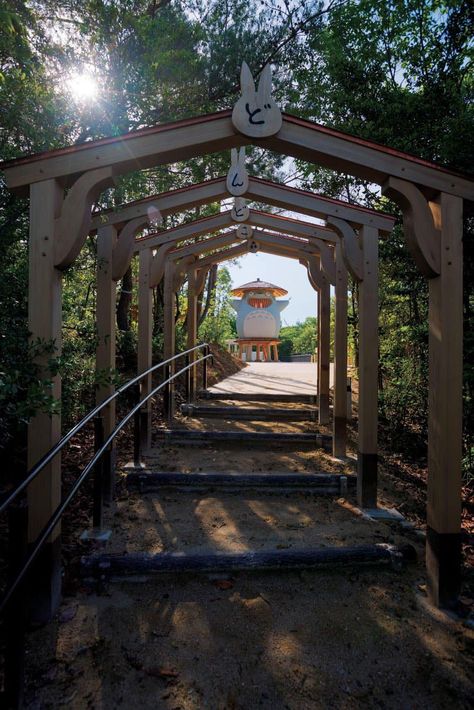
(211, 285)
(125, 301)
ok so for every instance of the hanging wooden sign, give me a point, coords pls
(240, 212)
(244, 231)
(256, 114)
(237, 181)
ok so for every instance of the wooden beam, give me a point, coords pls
(314, 205)
(192, 327)
(445, 409)
(169, 335)
(364, 159)
(289, 225)
(224, 255)
(137, 150)
(324, 345)
(214, 223)
(44, 430)
(185, 198)
(189, 230)
(340, 359)
(145, 334)
(204, 245)
(368, 372)
(289, 198)
(186, 139)
(105, 351)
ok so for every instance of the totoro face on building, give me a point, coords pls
(258, 311)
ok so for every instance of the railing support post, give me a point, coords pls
(188, 381)
(98, 506)
(137, 434)
(167, 395)
(16, 610)
(204, 368)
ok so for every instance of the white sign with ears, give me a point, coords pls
(256, 114)
(240, 212)
(244, 231)
(237, 178)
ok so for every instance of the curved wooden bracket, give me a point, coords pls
(73, 224)
(181, 271)
(423, 239)
(328, 264)
(304, 262)
(125, 246)
(201, 276)
(157, 268)
(316, 276)
(351, 250)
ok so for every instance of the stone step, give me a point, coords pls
(252, 413)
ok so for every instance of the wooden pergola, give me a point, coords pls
(63, 185)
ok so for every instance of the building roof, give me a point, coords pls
(258, 285)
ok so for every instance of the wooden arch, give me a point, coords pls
(431, 201)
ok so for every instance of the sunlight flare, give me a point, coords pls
(83, 86)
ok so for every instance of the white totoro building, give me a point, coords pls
(258, 319)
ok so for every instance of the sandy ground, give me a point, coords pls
(348, 638)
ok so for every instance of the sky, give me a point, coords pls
(287, 273)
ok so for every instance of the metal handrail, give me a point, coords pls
(49, 456)
(55, 518)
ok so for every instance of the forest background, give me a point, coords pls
(396, 72)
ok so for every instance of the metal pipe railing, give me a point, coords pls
(49, 456)
(55, 518)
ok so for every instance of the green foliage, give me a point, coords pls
(299, 339)
(219, 323)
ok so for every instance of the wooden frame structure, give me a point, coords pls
(431, 199)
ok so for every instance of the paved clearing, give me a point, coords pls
(272, 378)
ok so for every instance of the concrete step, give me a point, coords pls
(317, 483)
(259, 397)
(188, 437)
(125, 565)
(253, 413)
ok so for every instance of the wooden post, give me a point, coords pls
(145, 333)
(368, 371)
(340, 359)
(169, 323)
(324, 332)
(44, 431)
(192, 328)
(445, 408)
(105, 351)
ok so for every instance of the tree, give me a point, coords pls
(219, 324)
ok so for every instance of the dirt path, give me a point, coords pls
(349, 638)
